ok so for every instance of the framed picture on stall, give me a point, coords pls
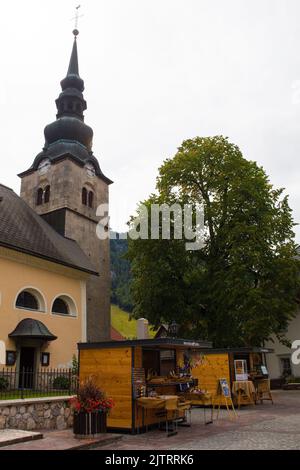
(240, 369)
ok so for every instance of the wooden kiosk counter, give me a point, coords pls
(127, 370)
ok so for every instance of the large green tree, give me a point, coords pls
(241, 286)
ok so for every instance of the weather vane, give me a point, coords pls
(76, 18)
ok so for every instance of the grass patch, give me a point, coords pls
(121, 322)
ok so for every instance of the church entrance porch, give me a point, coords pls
(29, 335)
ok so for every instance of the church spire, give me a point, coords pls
(69, 136)
(72, 79)
(69, 124)
(73, 65)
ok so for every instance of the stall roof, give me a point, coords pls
(254, 349)
(163, 342)
(171, 342)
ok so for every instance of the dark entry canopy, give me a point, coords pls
(32, 329)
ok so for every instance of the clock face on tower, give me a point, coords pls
(90, 170)
(44, 166)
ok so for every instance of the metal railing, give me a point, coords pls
(30, 383)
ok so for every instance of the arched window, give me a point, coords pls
(39, 197)
(47, 194)
(64, 305)
(60, 306)
(84, 196)
(27, 300)
(91, 199)
(31, 299)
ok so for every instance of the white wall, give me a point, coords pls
(142, 328)
(273, 360)
(2, 353)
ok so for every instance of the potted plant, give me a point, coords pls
(91, 407)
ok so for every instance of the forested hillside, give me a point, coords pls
(120, 274)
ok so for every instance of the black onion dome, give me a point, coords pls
(72, 81)
(69, 128)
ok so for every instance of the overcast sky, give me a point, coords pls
(156, 72)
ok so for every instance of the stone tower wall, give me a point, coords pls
(66, 179)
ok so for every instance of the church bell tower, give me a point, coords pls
(65, 185)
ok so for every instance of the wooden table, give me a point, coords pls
(244, 390)
(203, 400)
(168, 404)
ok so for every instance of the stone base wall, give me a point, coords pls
(36, 414)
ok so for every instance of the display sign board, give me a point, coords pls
(224, 388)
(264, 370)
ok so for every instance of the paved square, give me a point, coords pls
(261, 427)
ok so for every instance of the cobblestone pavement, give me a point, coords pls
(264, 426)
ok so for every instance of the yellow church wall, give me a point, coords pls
(18, 272)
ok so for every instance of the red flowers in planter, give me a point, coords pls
(90, 398)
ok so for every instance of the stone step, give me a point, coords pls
(64, 440)
(15, 436)
(97, 442)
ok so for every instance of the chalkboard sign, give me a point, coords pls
(225, 390)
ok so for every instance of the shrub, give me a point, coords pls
(61, 383)
(3, 383)
(75, 365)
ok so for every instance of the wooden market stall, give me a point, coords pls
(125, 370)
(234, 364)
(130, 371)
